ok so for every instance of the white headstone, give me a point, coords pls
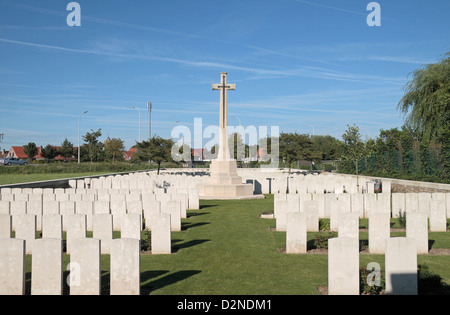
(329, 201)
(50, 207)
(103, 230)
(438, 218)
(26, 230)
(311, 210)
(52, 226)
(135, 207)
(194, 202)
(76, 229)
(125, 267)
(172, 208)
(12, 266)
(161, 236)
(102, 207)
(118, 210)
(46, 267)
(379, 231)
(4, 207)
(5, 226)
(398, 204)
(151, 207)
(320, 198)
(348, 225)
(35, 207)
(424, 203)
(417, 229)
(337, 207)
(296, 235)
(412, 202)
(447, 202)
(131, 226)
(343, 266)
(86, 208)
(17, 208)
(401, 266)
(85, 262)
(357, 203)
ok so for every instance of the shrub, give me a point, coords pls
(146, 242)
(321, 240)
(430, 283)
(324, 224)
(365, 288)
(402, 219)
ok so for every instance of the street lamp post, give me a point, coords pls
(79, 148)
(149, 107)
(139, 110)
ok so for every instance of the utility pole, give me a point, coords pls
(79, 147)
(149, 107)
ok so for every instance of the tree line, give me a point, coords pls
(93, 150)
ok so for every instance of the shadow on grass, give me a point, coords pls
(164, 281)
(195, 214)
(185, 225)
(430, 244)
(176, 247)
(207, 206)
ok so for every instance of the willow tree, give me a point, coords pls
(426, 105)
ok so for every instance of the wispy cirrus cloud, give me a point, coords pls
(299, 71)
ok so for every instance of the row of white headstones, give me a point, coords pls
(20, 211)
(299, 214)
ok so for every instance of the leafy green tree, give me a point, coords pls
(156, 149)
(354, 148)
(30, 150)
(114, 148)
(328, 147)
(93, 150)
(295, 147)
(66, 149)
(49, 152)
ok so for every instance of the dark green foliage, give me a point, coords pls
(93, 150)
(49, 152)
(365, 288)
(156, 149)
(30, 150)
(295, 147)
(66, 149)
(321, 240)
(324, 224)
(430, 283)
(146, 241)
(402, 219)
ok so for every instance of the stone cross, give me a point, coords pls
(223, 87)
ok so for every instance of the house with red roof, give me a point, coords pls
(19, 152)
(127, 155)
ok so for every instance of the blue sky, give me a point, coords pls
(305, 66)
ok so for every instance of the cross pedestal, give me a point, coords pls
(224, 182)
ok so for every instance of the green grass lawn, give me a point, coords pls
(226, 249)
